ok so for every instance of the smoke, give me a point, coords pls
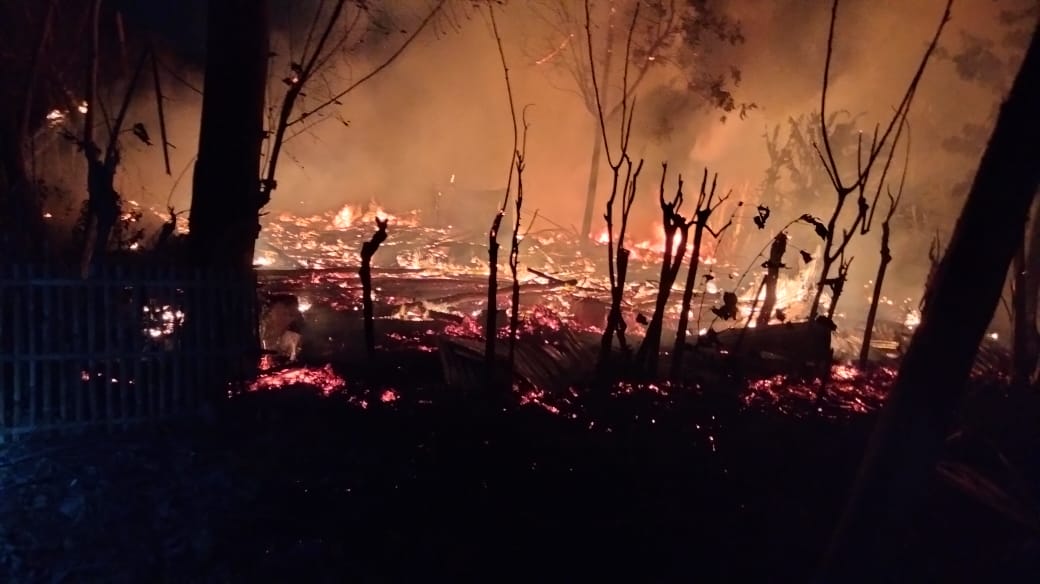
(441, 111)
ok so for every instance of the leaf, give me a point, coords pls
(142, 133)
(708, 277)
(818, 226)
(762, 217)
(806, 256)
(781, 315)
(728, 310)
(641, 319)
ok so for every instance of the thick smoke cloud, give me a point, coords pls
(441, 111)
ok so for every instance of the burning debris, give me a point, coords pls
(160, 321)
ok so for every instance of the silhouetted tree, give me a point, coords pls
(909, 437)
(225, 199)
(667, 33)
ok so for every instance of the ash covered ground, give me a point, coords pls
(339, 466)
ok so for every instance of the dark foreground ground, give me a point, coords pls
(694, 486)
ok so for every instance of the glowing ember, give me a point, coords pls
(848, 391)
(388, 396)
(161, 320)
(83, 107)
(324, 378)
(913, 318)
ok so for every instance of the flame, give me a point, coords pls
(344, 217)
(83, 107)
(351, 215)
(913, 318)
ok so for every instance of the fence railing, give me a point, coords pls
(131, 344)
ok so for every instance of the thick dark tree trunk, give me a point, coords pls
(908, 440)
(1026, 278)
(20, 214)
(16, 202)
(226, 190)
(1032, 290)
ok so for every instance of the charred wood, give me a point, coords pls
(772, 266)
(368, 249)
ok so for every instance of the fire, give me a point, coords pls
(324, 378)
(913, 318)
(344, 217)
(351, 215)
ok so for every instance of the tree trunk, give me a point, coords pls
(226, 189)
(368, 249)
(19, 203)
(590, 193)
(776, 261)
(650, 351)
(909, 437)
(1026, 277)
(1032, 284)
(687, 301)
(875, 299)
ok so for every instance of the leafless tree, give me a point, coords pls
(861, 183)
(674, 251)
(900, 461)
(336, 29)
(491, 326)
(514, 248)
(620, 165)
(706, 206)
(886, 258)
(665, 32)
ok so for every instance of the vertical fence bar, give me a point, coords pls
(157, 290)
(198, 352)
(58, 311)
(160, 364)
(47, 350)
(114, 352)
(176, 346)
(140, 343)
(6, 369)
(74, 297)
(189, 341)
(18, 348)
(106, 276)
(33, 331)
(4, 359)
(91, 346)
(155, 396)
(124, 312)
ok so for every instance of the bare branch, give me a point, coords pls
(379, 69)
